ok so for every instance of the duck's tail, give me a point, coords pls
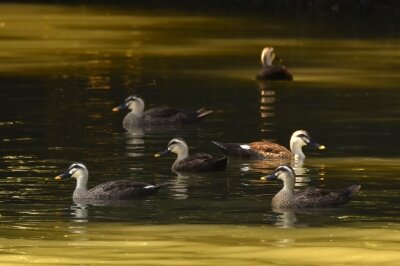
(220, 145)
(220, 164)
(202, 112)
(353, 190)
(158, 186)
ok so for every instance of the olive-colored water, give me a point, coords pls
(62, 69)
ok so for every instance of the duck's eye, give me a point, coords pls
(172, 143)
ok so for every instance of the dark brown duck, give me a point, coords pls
(157, 116)
(198, 162)
(271, 71)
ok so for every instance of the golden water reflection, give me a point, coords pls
(122, 244)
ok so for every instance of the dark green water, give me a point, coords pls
(62, 69)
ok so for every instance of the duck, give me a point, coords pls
(198, 162)
(268, 150)
(270, 71)
(288, 198)
(111, 190)
(158, 115)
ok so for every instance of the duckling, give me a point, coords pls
(287, 198)
(269, 150)
(194, 163)
(270, 71)
(111, 190)
(157, 116)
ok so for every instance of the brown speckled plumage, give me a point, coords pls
(257, 150)
(271, 151)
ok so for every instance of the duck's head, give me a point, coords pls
(176, 145)
(76, 170)
(267, 56)
(133, 103)
(301, 138)
(284, 173)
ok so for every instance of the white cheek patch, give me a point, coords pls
(71, 172)
(245, 147)
(148, 187)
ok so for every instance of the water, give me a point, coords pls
(63, 69)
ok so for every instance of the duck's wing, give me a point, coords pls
(123, 189)
(316, 198)
(256, 150)
(270, 150)
(197, 162)
(164, 111)
(162, 115)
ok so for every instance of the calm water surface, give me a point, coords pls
(62, 69)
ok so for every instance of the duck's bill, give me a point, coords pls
(119, 108)
(62, 176)
(270, 177)
(316, 145)
(161, 153)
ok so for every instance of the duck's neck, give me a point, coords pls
(182, 154)
(137, 108)
(81, 187)
(284, 197)
(267, 61)
(297, 150)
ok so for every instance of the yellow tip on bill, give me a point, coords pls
(157, 155)
(115, 109)
(57, 177)
(322, 147)
(263, 178)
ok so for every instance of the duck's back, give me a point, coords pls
(168, 115)
(200, 162)
(270, 150)
(122, 189)
(319, 198)
(274, 72)
(256, 150)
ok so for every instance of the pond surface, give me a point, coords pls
(63, 69)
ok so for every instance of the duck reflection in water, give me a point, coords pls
(267, 106)
(135, 143)
(179, 186)
(80, 212)
(285, 218)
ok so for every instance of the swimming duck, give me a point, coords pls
(270, 71)
(194, 163)
(111, 190)
(156, 116)
(269, 150)
(287, 198)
